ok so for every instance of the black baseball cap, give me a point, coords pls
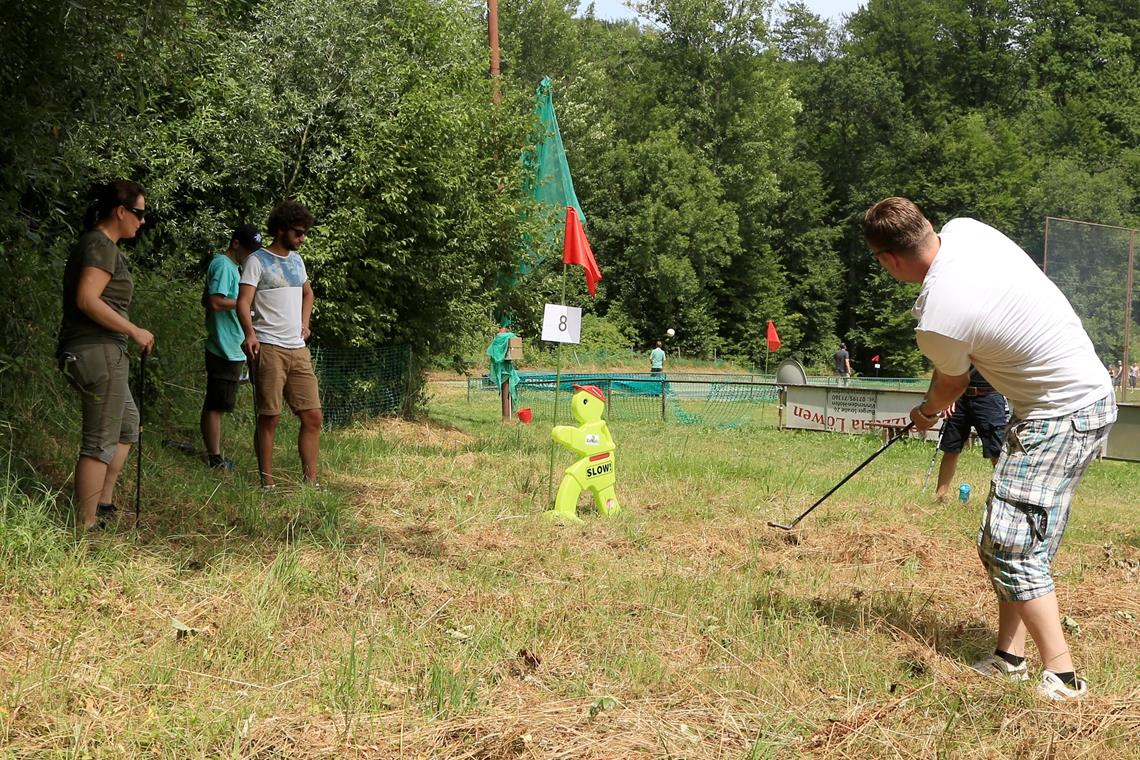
(248, 236)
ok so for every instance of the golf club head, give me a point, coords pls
(781, 526)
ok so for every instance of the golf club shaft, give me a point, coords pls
(852, 474)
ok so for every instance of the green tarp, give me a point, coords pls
(497, 353)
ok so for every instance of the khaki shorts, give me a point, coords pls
(99, 371)
(285, 374)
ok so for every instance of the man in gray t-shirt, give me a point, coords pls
(275, 287)
(843, 363)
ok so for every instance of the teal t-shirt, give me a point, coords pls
(656, 359)
(223, 330)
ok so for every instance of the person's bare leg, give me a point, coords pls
(1011, 629)
(89, 476)
(1042, 618)
(946, 470)
(122, 451)
(309, 442)
(211, 425)
(263, 444)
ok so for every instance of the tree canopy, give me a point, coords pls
(723, 151)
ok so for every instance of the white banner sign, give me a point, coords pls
(562, 324)
(849, 410)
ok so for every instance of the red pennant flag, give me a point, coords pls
(773, 337)
(576, 250)
(875, 358)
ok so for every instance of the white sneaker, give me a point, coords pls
(994, 666)
(1052, 687)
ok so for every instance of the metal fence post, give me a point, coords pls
(662, 399)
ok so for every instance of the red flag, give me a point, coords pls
(875, 358)
(773, 337)
(576, 250)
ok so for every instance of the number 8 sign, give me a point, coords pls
(561, 324)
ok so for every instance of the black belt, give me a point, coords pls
(979, 391)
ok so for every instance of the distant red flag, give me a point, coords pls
(773, 337)
(576, 250)
(875, 358)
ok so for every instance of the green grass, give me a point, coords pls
(420, 608)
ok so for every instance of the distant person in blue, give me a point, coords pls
(982, 408)
(224, 358)
(275, 287)
(657, 359)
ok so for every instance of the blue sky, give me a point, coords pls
(832, 9)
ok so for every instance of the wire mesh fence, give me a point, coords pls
(1095, 265)
(360, 383)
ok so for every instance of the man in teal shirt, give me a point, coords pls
(657, 359)
(224, 357)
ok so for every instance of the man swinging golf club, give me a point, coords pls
(984, 302)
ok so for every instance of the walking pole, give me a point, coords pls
(139, 444)
(937, 446)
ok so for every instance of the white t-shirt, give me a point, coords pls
(984, 302)
(277, 305)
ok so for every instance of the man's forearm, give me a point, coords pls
(244, 306)
(306, 308)
(944, 390)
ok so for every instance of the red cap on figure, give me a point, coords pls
(593, 390)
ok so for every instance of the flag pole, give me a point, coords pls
(557, 392)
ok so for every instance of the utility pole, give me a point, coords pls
(493, 39)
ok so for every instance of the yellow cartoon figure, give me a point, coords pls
(596, 470)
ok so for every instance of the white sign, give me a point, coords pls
(562, 324)
(850, 410)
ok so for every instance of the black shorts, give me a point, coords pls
(986, 414)
(222, 380)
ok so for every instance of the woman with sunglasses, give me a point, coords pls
(92, 348)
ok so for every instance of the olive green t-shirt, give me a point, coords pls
(94, 249)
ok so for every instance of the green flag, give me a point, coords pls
(548, 175)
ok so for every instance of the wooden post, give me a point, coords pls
(493, 41)
(505, 393)
(1128, 316)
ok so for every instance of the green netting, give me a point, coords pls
(701, 400)
(359, 383)
(1096, 267)
(548, 177)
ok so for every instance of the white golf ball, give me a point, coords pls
(670, 332)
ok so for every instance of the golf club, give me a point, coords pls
(837, 486)
(139, 444)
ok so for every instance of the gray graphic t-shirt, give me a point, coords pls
(277, 305)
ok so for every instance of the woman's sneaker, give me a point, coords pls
(1052, 687)
(992, 665)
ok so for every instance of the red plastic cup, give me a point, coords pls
(525, 415)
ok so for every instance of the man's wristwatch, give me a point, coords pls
(926, 417)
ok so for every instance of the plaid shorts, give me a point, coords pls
(1032, 489)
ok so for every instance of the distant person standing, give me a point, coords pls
(1133, 375)
(275, 286)
(224, 358)
(982, 408)
(843, 363)
(657, 359)
(92, 349)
